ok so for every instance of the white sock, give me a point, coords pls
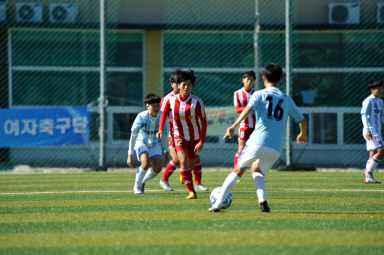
(373, 164)
(139, 176)
(228, 185)
(366, 165)
(149, 175)
(259, 179)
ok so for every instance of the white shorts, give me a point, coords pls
(375, 143)
(264, 156)
(141, 148)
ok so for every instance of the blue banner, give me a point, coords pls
(29, 127)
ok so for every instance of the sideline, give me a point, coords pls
(183, 190)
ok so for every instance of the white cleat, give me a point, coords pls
(201, 187)
(369, 178)
(165, 185)
(138, 190)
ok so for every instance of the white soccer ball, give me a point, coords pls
(215, 194)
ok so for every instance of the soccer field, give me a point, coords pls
(96, 213)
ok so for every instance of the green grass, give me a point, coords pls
(96, 213)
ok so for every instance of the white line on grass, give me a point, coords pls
(158, 190)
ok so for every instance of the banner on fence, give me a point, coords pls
(29, 127)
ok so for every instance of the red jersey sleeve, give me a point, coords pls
(164, 115)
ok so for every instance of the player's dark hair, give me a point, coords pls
(249, 74)
(183, 76)
(272, 72)
(152, 99)
(375, 83)
(172, 77)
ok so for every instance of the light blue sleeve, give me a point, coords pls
(254, 101)
(366, 108)
(137, 124)
(294, 111)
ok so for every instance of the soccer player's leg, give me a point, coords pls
(142, 154)
(198, 172)
(376, 145)
(185, 166)
(266, 157)
(171, 167)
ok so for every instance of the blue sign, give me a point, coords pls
(29, 127)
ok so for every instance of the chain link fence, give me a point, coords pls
(50, 57)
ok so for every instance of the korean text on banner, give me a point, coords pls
(29, 127)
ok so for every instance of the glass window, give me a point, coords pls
(122, 123)
(55, 88)
(208, 49)
(353, 129)
(75, 48)
(325, 128)
(125, 88)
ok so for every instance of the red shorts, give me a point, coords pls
(187, 146)
(245, 133)
(171, 143)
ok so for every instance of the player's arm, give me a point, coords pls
(163, 119)
(236, 103)
(231, 130)
(136, 126)
(367, 119)
(200, 111)
(132, 142)
(302, 137)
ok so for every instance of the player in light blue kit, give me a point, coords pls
(146, 145)
(263, 148)
(372, 115)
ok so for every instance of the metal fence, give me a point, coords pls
(51, 54)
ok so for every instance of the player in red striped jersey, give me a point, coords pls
(189, 137)
(240, 100)
(174, 163)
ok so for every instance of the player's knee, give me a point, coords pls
(145, 165)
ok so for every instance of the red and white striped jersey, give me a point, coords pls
(240, 100)
(186, 114)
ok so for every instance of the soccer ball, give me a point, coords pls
(214, 195)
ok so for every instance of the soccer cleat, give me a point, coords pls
(165, 185)
(213, 209)
(181, 180)
(137, 190)
(201, 187)
(264, 207)
(192, 195)
(369, 179)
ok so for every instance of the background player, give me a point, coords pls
(174, 163)
(143, 140)
(189, 137)
(240, 100)
(263, 148)
(372, 115)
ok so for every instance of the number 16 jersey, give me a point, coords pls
(273, 108)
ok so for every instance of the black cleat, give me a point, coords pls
(264, 207)
(213, 209)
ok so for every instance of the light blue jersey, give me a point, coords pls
(372, 110)
(273, 108)
(144, 131)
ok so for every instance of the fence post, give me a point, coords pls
(288, 5)
(102, 103)
(256, 43)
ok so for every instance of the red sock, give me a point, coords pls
(171, 167)
(237, 155)
(187, 177)
(198, 173)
